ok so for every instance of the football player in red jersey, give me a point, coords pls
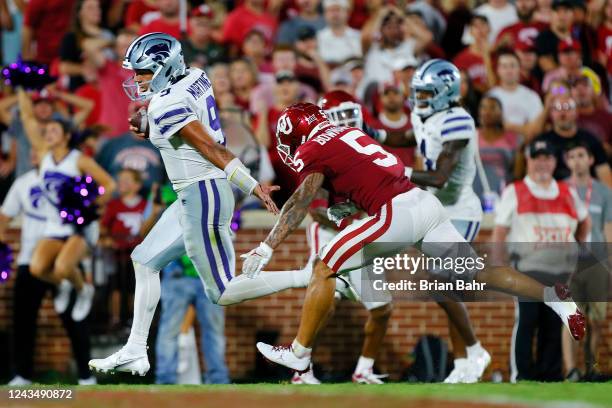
(327, 155)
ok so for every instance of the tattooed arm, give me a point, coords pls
(295, 209)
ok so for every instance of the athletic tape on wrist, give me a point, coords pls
(239, 176)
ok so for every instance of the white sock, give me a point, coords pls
(474, 350)
(364, 364)
(299, 350)
(243, 288)
(146, 298)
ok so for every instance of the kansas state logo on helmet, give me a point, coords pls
(159, 53)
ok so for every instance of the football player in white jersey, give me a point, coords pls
(446, 139)
(185, 126)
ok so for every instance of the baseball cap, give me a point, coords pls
(341, 3)
(284, 76)
(306, 33)
(42, 96)
(562, 3)
(539, 146)
(203, 10)
(569, 45)
(526, 45)
(404, 62)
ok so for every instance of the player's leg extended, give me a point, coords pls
(163, 244)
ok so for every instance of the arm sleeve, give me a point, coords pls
(310, 166)
(457, 127)
(506, 207)
(169, 119)
(11, 207)
(581, 210)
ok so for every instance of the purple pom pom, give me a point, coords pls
(6, 261)
(236, 221)
(77, 201)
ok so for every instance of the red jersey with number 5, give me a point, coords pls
(355, 167)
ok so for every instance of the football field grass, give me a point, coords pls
(528, 395)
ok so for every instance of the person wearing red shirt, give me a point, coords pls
(120, 228)
(525, 30)
(251, 15)
(136, 11)
(476, 59)
(394, 118)
(604, 36)
(44, 26)
(168, 21)
(528, 59)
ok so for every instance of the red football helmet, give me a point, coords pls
(296, 125)
(342, 109)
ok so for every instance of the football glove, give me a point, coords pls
(256, 259)
(337, 212)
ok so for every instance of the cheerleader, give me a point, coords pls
(58, 254)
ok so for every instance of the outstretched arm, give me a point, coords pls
(295, 209)
(447, 160)
(195, 134)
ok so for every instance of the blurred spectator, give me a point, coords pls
(308, 17)
(403, 70)
(565, 131)
(243, 76)
(547, 42)
(139, 12)
(528, 61)
(586, 34)
(544, 11)
(591, 117)
(497, 146)
(394, 118)
(432, 16)
(180, 288)
(45, 106)
(570, 66)
(8, 153)
(251, 14)
(338, 42)
(167, 21)
(128, 151)
(469, 95)
(310, 68)
(199, 48)
(382, 54)
(540, 210)
(476, 58)
(604, 37)
(457, 21)
(26, 198)
(525, 30)
(589, 284)
(114, 103)
(284, 59)
(119, 232)
(500, 14)
(219, 75)
(416, 31)
(87, 34)
(520, 105)
(255, 50)
(45, 23)
(286, 93)
(11, 23)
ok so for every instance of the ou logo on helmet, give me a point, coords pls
(284, 125)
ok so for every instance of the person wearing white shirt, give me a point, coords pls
(500, 14)
(338, 42)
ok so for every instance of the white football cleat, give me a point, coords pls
(83, 302)
(476, 366)
(459, 372)
(284, 356)
(561, 302)
(88, 381)
(62, 297)
(346, 290)
(123, 361)
(19, 381)
(368, 377)
(306, 378)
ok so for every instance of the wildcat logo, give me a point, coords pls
(159, 51)
(284, 125)
(36, 194)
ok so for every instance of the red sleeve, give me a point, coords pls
(109, 214)
(33, 14)
(313, 162)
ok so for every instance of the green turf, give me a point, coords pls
(591, 393)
